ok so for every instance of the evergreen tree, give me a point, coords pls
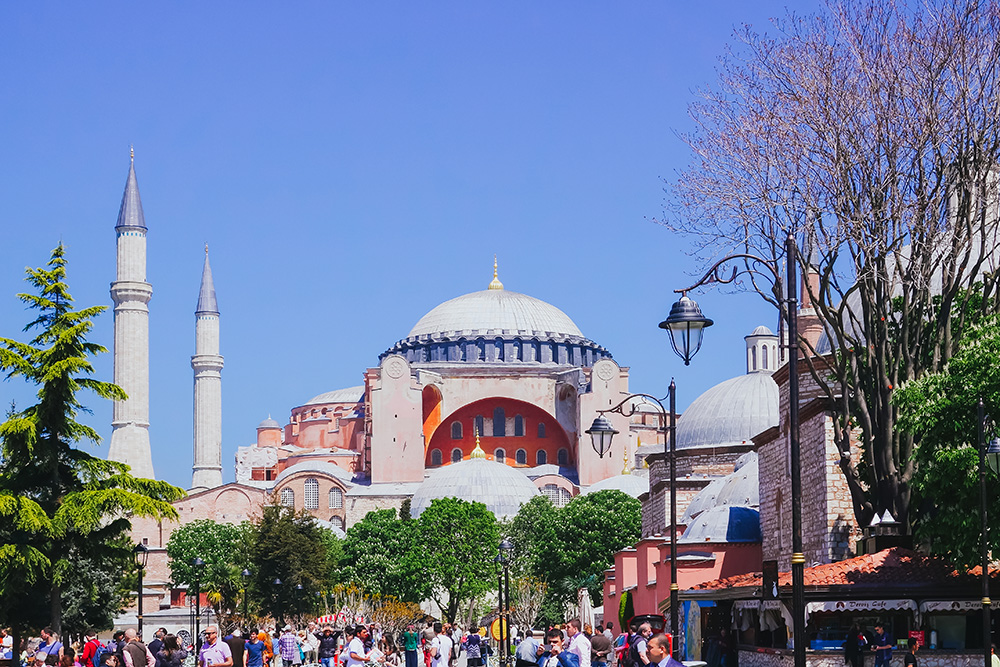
(59, 504)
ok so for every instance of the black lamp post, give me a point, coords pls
(277, 598)
(686, 325)
(246, 606)
(505, 556)
(300, 592)
(199, 565)
(988, 454)
(601, 432)
(140, 553)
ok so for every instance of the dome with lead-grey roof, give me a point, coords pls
(496, 310)
(703, 500)
(269, 423)
(500, 487)
(730, 413)
(349, 395)
(633, 485)
(762, 331)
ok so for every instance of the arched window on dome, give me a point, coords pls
(518, 426)
(500, 456)
(337, 521)
(763, 354)
(480, 421)
(288, 498)
(562, 456)
(521, 457)
(498, 354)
(517, 351)
(310, 494)
(336, 498)
(456, 430)
(558, 495)
(456, 455)
(541, 429)
(481, 349)
(435, 457)
(541, 458)
(499, 423)
(753, 358)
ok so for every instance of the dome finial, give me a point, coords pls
(625, 469)
(478, 452)
(131, 153)
(495, 283)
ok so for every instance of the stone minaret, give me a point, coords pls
(207, 365)
(130, 293)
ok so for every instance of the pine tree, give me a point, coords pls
(58, 503)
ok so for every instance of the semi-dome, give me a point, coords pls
(500, 487)
(703, 500)
(633, 485)
(724, 524)
(730, 413)
(348, 395)
(495, 310)
(741, 488)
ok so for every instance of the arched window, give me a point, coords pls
(562, 457)
(310, 494)
(456, 455)
(558, 495)
(763, 354)
(753, 358)
(435, 457)
(288, 498)
(541, 430)
(541, 458)
(499, 423)
(519, 426)
(337, 521)
(498, 350)
(336, 498)
(521, 457)
(456, 430)
(481, 350)
(479, 425)
(500, 456)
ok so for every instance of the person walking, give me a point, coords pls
(214, 652)
(600, 650)
(356, 653)
(171, 654)
(854, 646)
(579, 645)
(288, 646)
(882, 646)
(327, 648)
(50, 647)
(135, 653)
(253, 651)
(552, 654)
(911, 653)
(237, 646)
(411, 642)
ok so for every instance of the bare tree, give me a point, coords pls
(871, 130)
(527, 596)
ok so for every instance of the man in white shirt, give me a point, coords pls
(579, 645)
(356, 654)
(441, 647)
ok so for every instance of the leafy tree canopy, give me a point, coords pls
(374, 556)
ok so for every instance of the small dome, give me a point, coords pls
(501, 488)
(724, 524)
(269, 423)
(495, 310)
(730, 413)
(349, 395)
(633, 485)
(703, 500)
(761, 331)
(741, 488)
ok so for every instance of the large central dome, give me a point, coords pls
(495, 310)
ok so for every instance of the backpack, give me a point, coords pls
(630, 656)
(99, 651)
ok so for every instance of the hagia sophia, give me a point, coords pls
(486, 398)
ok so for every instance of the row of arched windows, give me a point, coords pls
(499, 426)
(310, 492)
(500, 455)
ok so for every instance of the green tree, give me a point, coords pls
(95, 590)
(57, 502)
(941, 411)
(532, 532)
(375, 557)
(291, 547)
(456, 544)
(224, 549)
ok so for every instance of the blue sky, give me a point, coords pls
(351, 165)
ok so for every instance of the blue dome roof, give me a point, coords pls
(730, 413)
(501, 488)
(724, 524)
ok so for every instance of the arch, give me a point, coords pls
(480, 349)
(562, 456)
(518, 426)
(456, 455)
(480, 424)
(516, 350)
(310, 494)
(541, 457)
(288, 497)
(336, 498)
(456, 430)
(763, 354)
(500, 455)
(558, 495)
(436, 457)
(541, 429)
(499, 422)
(498, 354)
(431, 410)
(753, 358)
(337, 521)
(521, 457)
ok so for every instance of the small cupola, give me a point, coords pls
(762, 351)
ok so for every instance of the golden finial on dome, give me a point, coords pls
(495, 283)
(478, 452)
(131, 153)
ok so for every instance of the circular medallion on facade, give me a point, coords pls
(605, 371)
(395, 368)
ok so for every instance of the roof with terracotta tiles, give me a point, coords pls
(891, 567)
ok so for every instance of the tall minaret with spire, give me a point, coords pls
(131, 293)
(207, 365)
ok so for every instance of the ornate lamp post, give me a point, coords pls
(246, 574)
(601, 433)
(199, 565)
(140, 553)
(505, 556)
(686, 339)
(988, 454)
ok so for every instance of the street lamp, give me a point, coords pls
(277, 598)
(199, 565)
(246, 607)
(602, 430)
(687, 344)
(505, 556)
(988, 454)
(297, 600)
(140, 553)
